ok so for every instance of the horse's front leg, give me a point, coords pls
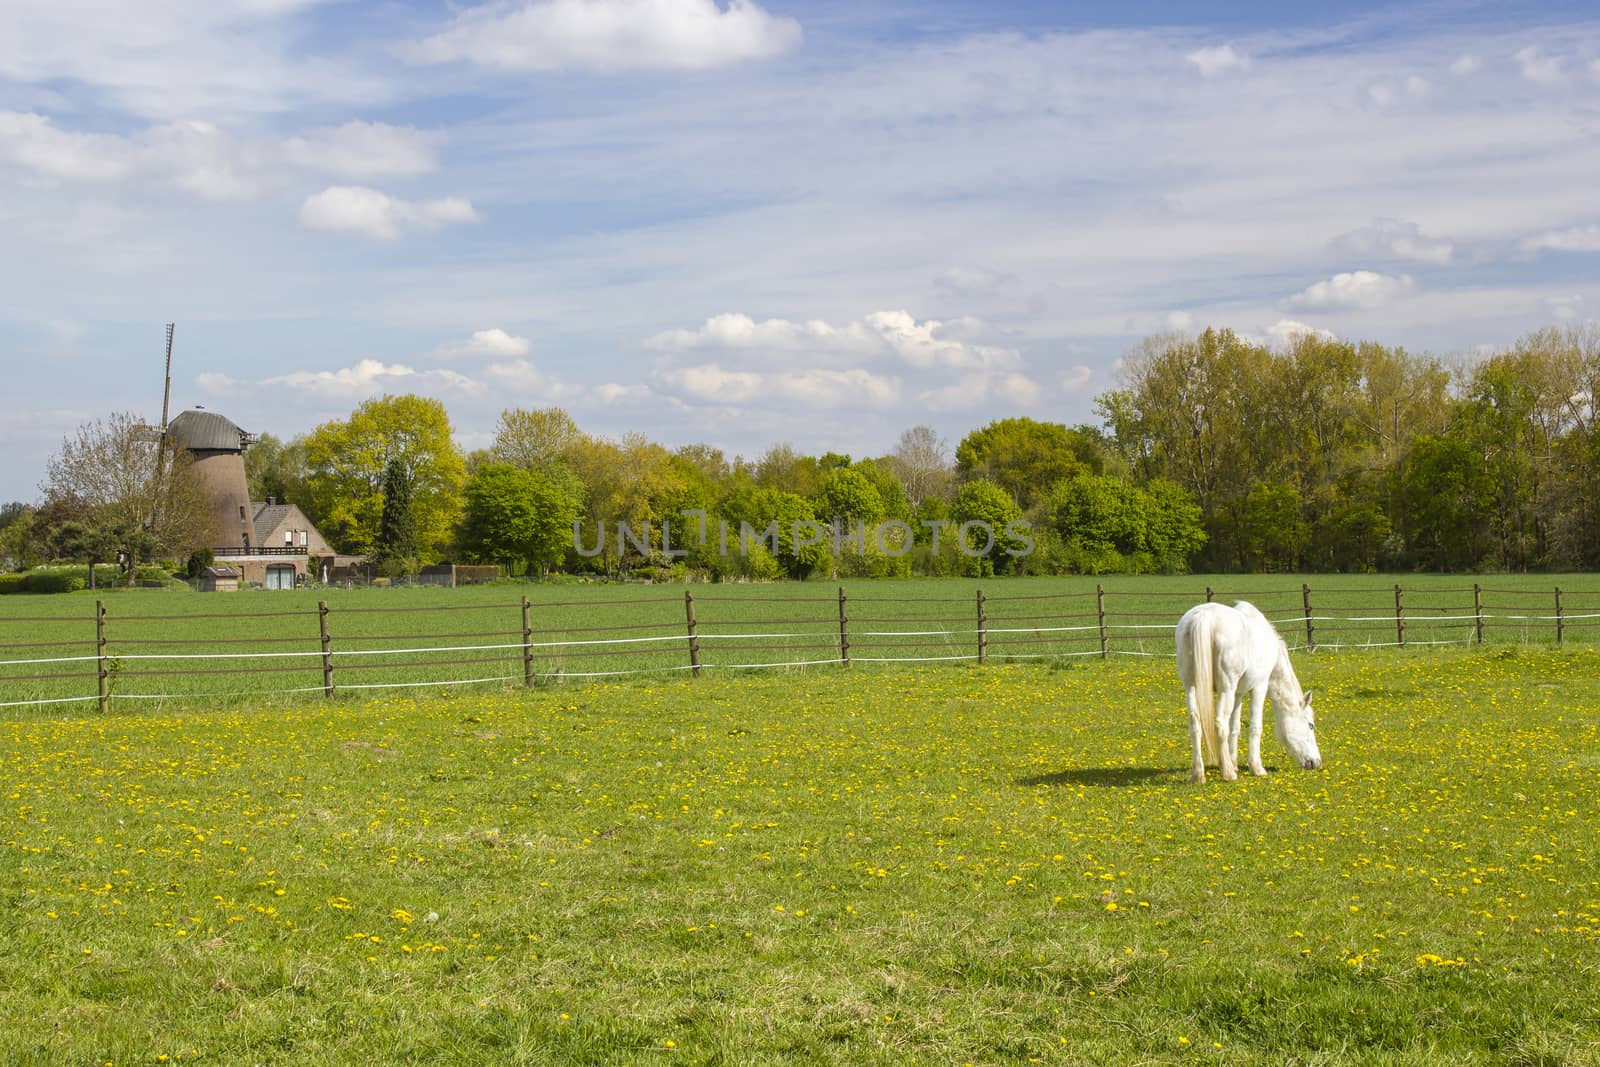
(1258, 700)
(1228, 735)
(1197, 768)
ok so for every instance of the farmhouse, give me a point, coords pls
(267, 543)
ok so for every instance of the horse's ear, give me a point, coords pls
(1308, 698)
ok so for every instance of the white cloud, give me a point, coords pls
(33, 142)
(886, 334)
(1218, 60)
(370, 376)
(366, 150)
(173, 59)
(1381, 94)
(370, 213)
(1573, 239)
(1397, 238)
(1353, 289)
(1006, 388)
(1537, 67)
(817, 387)
(492, 342)
(1466, 64)
(201, 158)
(1283, 333)
(1564, 307)
(1417, 86)
(608, 35)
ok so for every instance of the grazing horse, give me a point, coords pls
(1228, 651)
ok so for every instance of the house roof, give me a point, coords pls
(220, 572)
(268, 517)
(206, 431)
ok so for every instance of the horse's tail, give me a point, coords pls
(1202, 655)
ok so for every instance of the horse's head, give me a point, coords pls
(1297, 728)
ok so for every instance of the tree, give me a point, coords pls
(921, 460)
(347, 461)
(846, 496)
(515, 516)
(115, 474)
(1274, 532)
(275, 469)
(1024, 457)
(84, 542)
(396, 548)
(988, 543)
(1442, 498)
(533, 439)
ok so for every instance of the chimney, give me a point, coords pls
(271, 500)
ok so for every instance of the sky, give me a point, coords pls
(743, 223)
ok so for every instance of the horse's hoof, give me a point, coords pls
(1230, 776)
(1259, 772)
(1198, 777)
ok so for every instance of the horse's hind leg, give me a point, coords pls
(1197, 768)
(1227, 735)
(1257, 701)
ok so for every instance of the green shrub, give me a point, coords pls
(53, 582)
(12, 583)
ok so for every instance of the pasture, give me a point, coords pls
(166, 645)
(934, 864)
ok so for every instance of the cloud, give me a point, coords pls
(366, 150)
(1466, 64)
(1537, 67)
(1354, 289)
(370, 213)
(1395, 238)
(1574, 239)
(608, 35)
(492, 342)
(973, 390)
(370, 376)
(1284, 332)
(33, 142)
(811, 387)
(1219, 60)
(1564, 307)
(200, 158)
(883, 334)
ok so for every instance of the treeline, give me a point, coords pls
(1217, 454)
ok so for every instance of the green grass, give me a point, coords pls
(1031, 618)
(891, 865)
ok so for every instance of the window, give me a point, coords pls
(247, 540)
(302, 539)
(288, 538)
(241, 511)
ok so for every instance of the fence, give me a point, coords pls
(170, 656)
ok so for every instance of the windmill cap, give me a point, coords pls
(206, 431)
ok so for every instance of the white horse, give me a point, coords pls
(1228, 651)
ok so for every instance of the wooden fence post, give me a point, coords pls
(1305, 598)
(694, 634)
(1209, 594)
(527, 643)
(1399, 617)
(1100, 607)
(327, 649)
(1477, 609)
(1560, 622)
(100, 652)
(983, 631)
(844, 631)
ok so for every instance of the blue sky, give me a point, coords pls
(744, 223)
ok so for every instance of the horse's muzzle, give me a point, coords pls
(1312, 764)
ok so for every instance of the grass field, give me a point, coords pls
(388, 637)
(940, 864)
